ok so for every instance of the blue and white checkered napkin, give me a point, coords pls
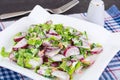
(111, 72)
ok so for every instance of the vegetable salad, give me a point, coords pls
(53, 50)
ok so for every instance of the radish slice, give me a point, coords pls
(52, 53)
(61, 75)
(46, 44)
(80, 57)
(77, 57)
(96, 50)
(21, 44)
(52, 33)
(35, 63)
(42, 70)
(86, 44)
(48, 49)
(73, 50)
(58, 57)
(55, 35)
(18, 38)
(91, 59)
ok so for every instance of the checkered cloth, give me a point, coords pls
(111, 72)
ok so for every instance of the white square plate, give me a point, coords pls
(109, 41)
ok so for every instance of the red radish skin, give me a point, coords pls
(52, 32)
(45, 59)
(18, 38)
(21, 44)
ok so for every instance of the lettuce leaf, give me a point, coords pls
(3, 53)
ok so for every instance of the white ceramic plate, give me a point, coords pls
(109, 41)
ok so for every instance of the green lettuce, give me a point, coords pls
(3, 53)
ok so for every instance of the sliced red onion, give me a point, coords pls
(61, 75)
(96, 50)
(21, 44)
(58, 57)
(52, 53)
(73, 50)
(45, 59)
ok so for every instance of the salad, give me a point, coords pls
(52, 50)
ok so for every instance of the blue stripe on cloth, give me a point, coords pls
(112, 24)
(110, 76)
(113, 11)
(6, 74)
(107, 75)
(108, 27)
(114, 21)
(117, 19)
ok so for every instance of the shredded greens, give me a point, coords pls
(49, 47)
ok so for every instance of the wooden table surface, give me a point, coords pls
(18, 5)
